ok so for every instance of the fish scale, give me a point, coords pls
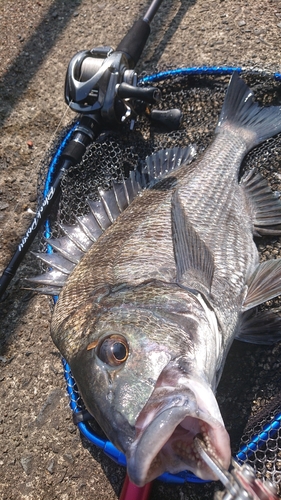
(146, 318)
(218, 210)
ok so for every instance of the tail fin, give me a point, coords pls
(242, 114)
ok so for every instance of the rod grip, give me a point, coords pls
(134, 41)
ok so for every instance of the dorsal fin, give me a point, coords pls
(78, 239)
(162, 162)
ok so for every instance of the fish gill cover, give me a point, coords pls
(249, 392)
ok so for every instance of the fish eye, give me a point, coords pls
(113, 350)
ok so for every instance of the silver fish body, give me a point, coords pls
(147, 317)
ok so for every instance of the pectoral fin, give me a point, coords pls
(260, 327)
(194, 261)
(264, 284)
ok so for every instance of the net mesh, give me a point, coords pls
(249, 392)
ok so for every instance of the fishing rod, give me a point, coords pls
(100, 85)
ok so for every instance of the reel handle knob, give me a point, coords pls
(171, 119)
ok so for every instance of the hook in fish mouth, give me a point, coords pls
(166, 429)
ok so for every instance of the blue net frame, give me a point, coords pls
(271, 428)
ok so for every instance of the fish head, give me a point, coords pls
(116, 377)
(140, 370)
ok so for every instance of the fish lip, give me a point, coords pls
(146, 455)
(138, 453)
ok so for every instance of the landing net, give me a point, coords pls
(249, 394)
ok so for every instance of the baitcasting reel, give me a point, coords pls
(100, 80)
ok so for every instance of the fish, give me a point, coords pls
(156, 282)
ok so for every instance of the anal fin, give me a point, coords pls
(265, 204)
(194, 261)
(264, 284)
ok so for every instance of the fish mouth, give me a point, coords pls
(166, 429)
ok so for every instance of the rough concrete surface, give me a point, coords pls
(42, 455)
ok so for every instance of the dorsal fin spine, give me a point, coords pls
(72, 238)
(105, 205)
(85, 228)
